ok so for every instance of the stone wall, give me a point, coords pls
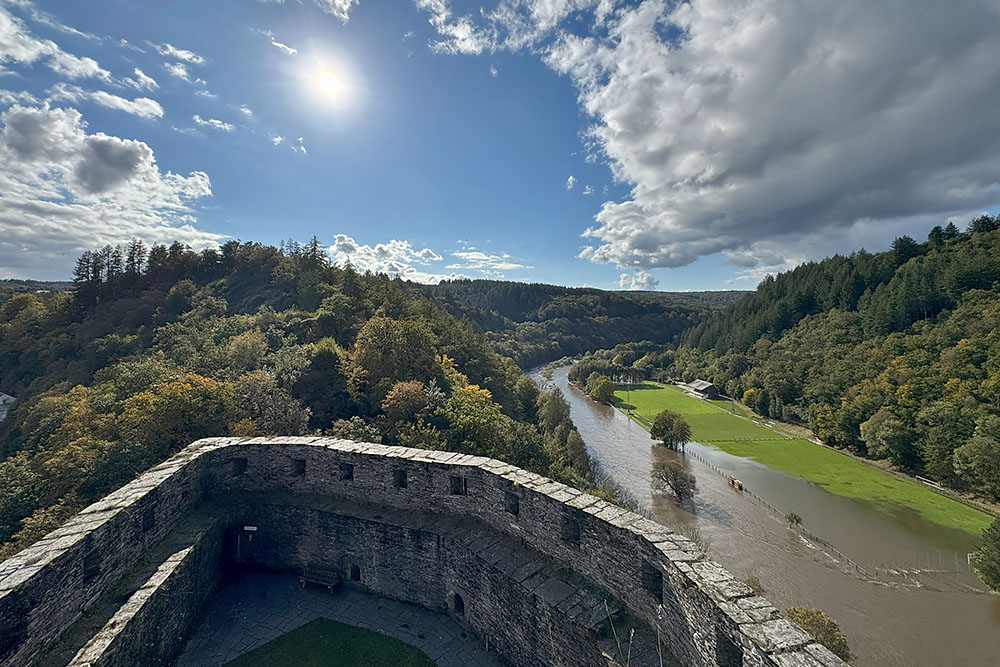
(397, 515)
(49, 586)
(542, 614)
(150, 627)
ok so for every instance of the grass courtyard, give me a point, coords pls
(326, 643)
(714, 423)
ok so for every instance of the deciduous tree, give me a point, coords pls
(675, 477)
(671, 429)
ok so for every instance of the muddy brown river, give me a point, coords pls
(900, 586)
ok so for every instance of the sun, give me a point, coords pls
(331, 86)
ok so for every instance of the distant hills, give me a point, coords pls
(9, 287)
(535, 323)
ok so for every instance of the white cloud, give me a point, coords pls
(339, 8)
(587, 190)
(18, 45)
(65, 191)
(142, 81)
(570, 182)
(460, 34)
(246, 110)
(480, 261)
(140, 106)
(178, 70)
(214, 123)
(75, 67)
(493, 71)
(640, 281)
(746, 122)
(394, 258)
(47, 19)
(277, 139)
(9, 97)
(125, 44)
(284, 48)
(171, 51)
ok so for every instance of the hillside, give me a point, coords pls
(893, 356)
(154, 349)
(536, 323)
(9, 287)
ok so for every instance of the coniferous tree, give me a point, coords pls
(135, 257)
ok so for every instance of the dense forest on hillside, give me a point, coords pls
(894, 355)
(9, 287)
(154, 349)
(536, 323)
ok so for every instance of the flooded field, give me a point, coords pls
(900, 586)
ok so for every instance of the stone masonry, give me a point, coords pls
(545, 574)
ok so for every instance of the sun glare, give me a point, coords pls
(331, 86)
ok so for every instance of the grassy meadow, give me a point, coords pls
(720, 424)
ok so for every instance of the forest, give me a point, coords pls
(534, 323)
(153, 348)
(9, 287)
(893, 356)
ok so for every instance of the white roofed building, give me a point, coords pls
(701, 389)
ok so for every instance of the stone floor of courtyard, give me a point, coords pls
(262, 607)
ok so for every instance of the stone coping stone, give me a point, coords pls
(776, 636)
(102, 641)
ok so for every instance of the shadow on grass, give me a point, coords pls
(645, 386)
(622, 405)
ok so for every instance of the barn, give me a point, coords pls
(703, 389)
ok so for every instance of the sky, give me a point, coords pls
(620, 144)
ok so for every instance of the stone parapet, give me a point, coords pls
(703, 615)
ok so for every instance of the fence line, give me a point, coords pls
(802, 531)
(776, 512)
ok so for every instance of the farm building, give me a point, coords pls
(702, 389)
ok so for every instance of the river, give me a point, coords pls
(899, 586)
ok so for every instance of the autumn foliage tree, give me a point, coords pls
(153, 350)
(601, 389)
(823, 629)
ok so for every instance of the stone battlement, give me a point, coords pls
(522, 560)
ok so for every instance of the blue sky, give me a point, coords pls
(430, 138)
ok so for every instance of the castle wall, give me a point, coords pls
(703, 615)
(409, 556)
(151, 627)
(51, 584)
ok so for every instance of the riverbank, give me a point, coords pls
(922, 606)
(715, 423)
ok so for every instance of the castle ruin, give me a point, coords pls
(537, 568)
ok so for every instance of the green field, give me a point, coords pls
(713, 423)
(322, 643)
